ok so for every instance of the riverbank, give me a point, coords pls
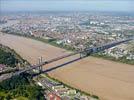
(46, 75)
(20, 61)
(107, 79)
(16, 87)
(53, 42)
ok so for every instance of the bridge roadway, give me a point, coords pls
(86, 52)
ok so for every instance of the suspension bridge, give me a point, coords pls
(83, 53)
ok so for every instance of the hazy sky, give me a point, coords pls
(67, 5)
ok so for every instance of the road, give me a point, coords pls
(107, 79)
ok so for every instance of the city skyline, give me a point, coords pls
(67, 5)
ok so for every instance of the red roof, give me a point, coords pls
(53, 96)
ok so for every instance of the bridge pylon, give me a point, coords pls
(82, 54)
(40, 67)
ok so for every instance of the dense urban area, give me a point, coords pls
(76, 31)
(72, 31)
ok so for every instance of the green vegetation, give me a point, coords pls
(10, 58)
(49, 41)
(20, 87)
(7, 58)
(121, 59)
(53, 42)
